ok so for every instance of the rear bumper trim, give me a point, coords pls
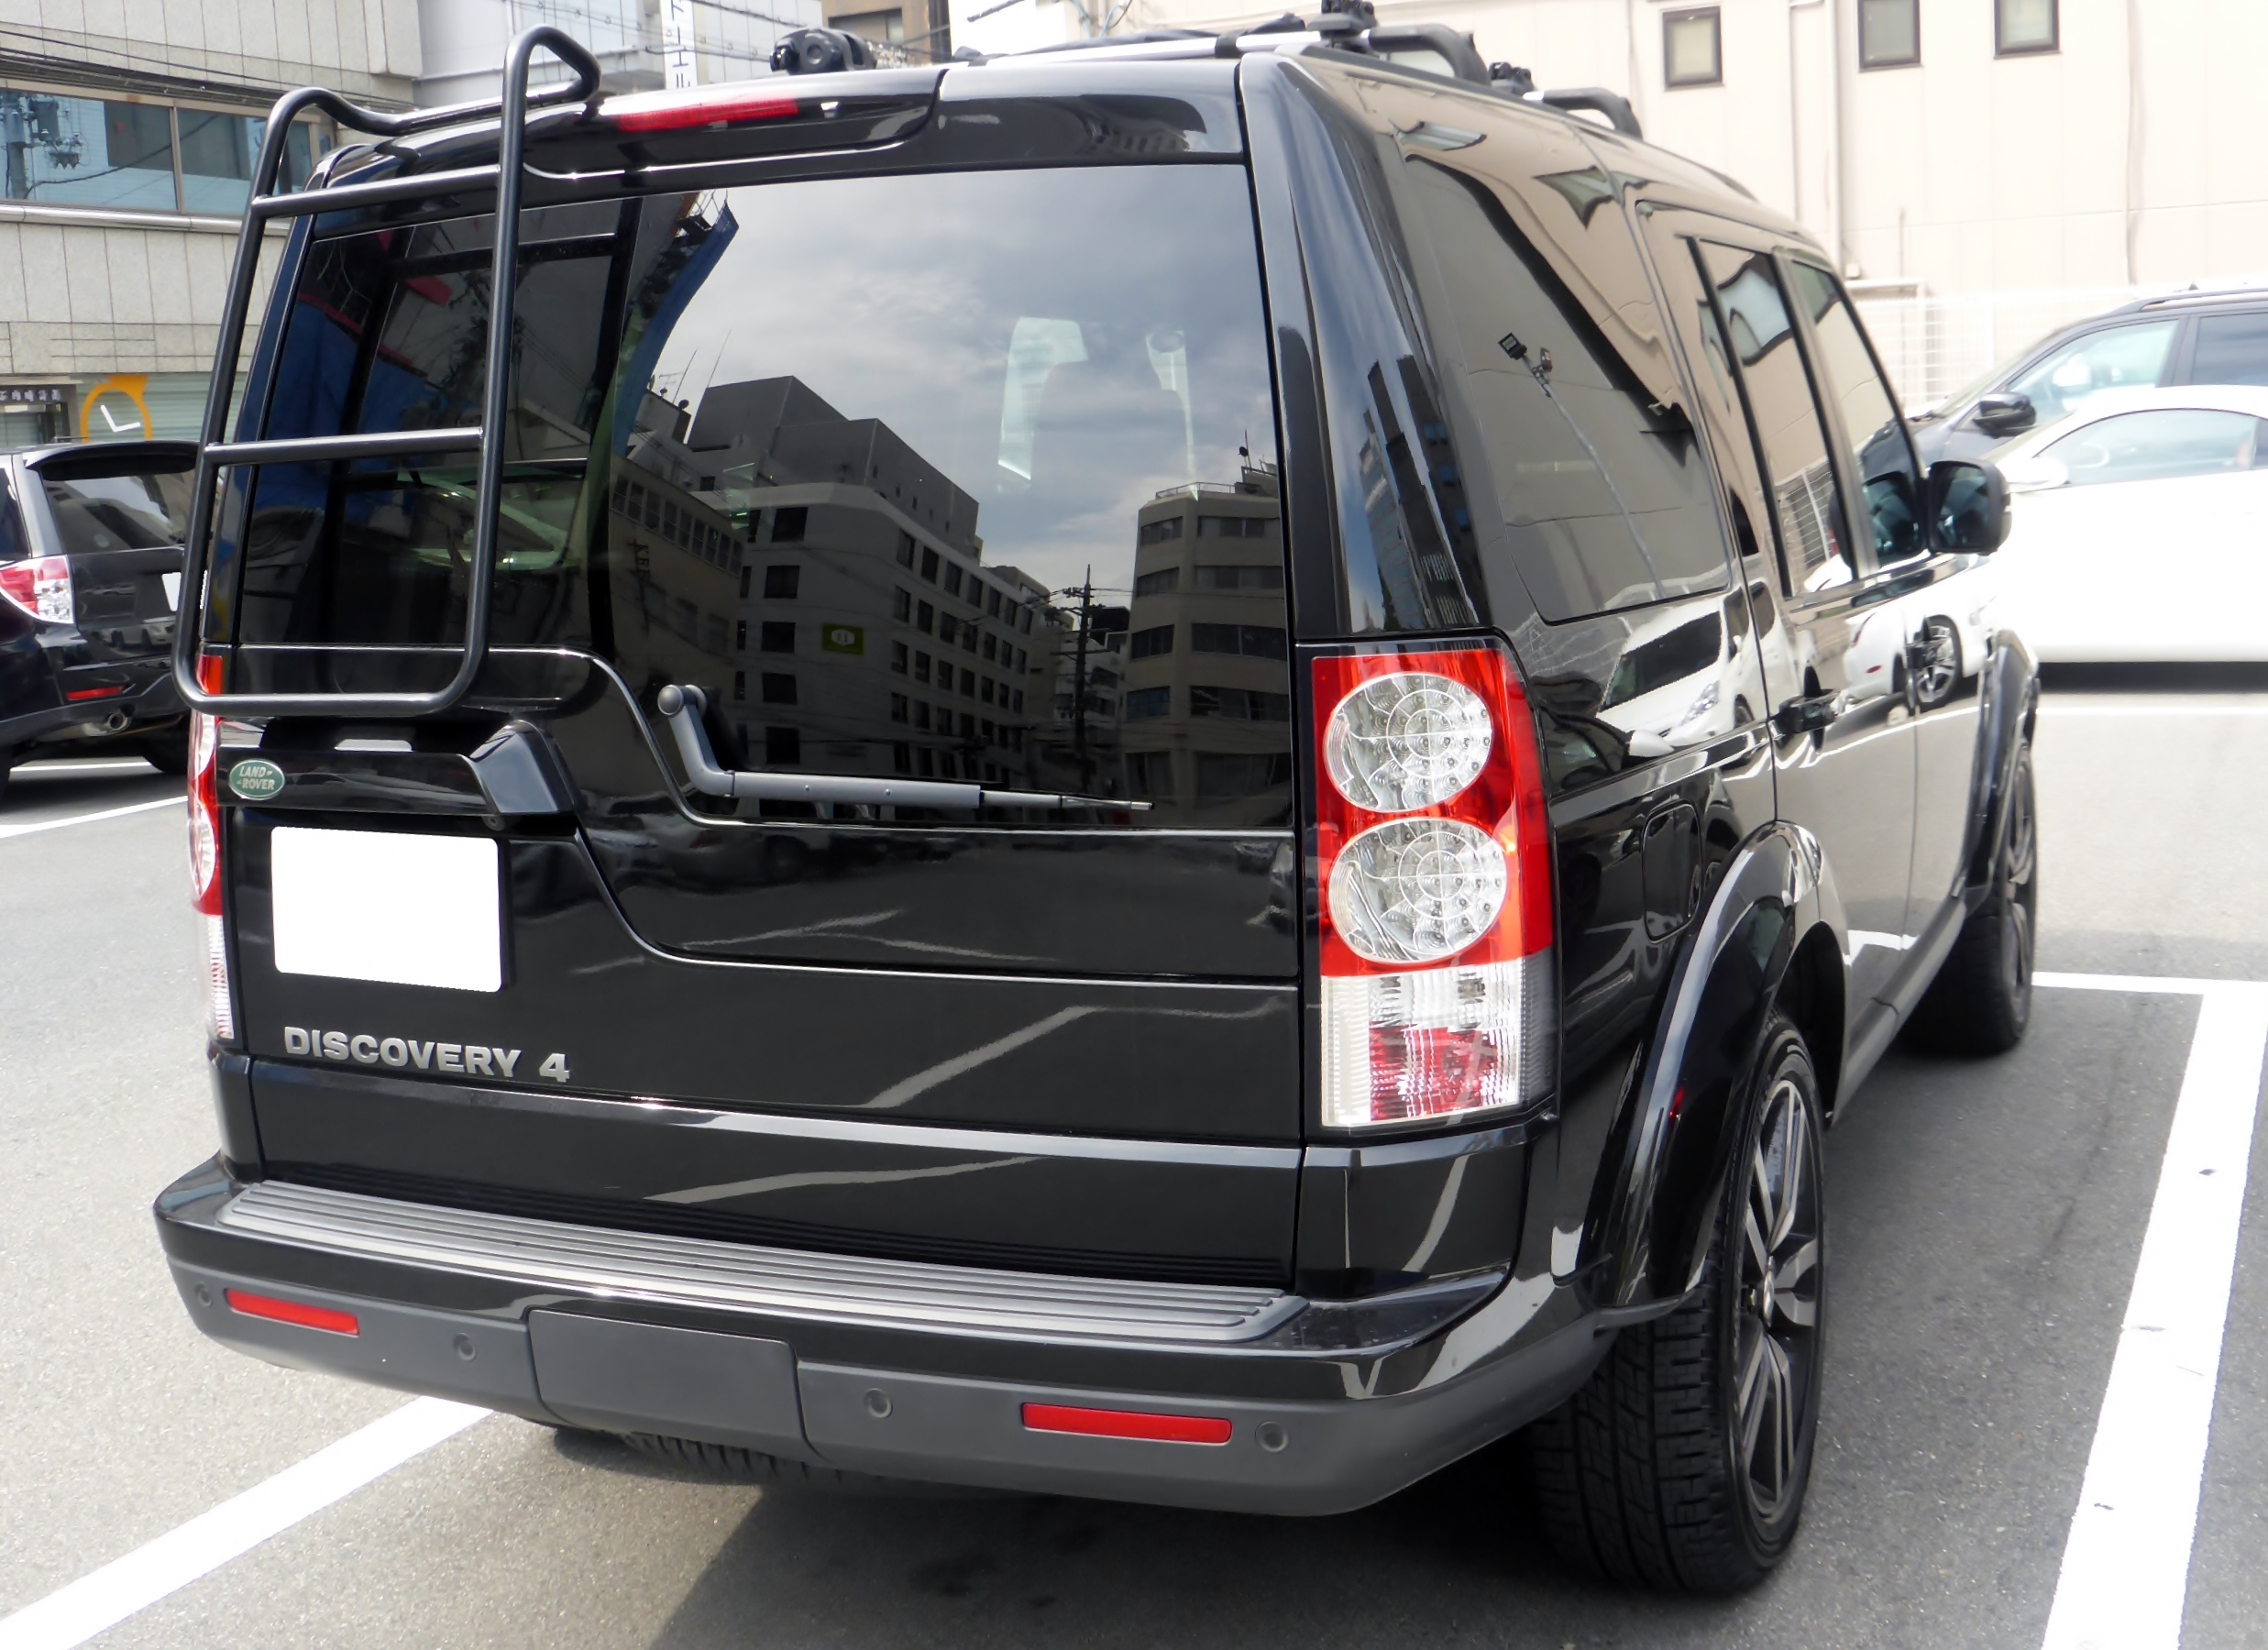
(704, 1273)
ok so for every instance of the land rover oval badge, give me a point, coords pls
(255, 778)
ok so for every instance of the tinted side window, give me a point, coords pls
(1887, 475)
(2232, 349)
(2118, 357)
(1595, 471)
(1807, 504)
(2162, 445)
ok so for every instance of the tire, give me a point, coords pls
(1981, 1002)
(167, 752)
(1683, 1464)
(1939, 675)
(731, 1464)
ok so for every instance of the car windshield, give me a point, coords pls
(139, 512)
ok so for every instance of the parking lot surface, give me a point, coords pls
(1988, 1220)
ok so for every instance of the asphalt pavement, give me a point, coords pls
(1987, 1217)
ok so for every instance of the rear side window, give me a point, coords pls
(1596, 471)
(1807, 502)
(2162, 445)
(118, 513)
(2231, 349)
(1888, 477)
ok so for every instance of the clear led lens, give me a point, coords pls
(223, 1014)
(1401, 1048)
(1406, 741)
(1416, 890)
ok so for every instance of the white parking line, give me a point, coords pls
(87, 819)
(66, 766)
(2125, 1562)
(120, 1589)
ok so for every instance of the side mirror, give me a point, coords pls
(2005, 414)
(1969, 506)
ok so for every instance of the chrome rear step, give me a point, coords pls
(702, 1273)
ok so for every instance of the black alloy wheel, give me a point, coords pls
(1981, 1000)
(1683, 1464)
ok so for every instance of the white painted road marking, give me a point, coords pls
(101, 1600)
(88, 819)
(2125, 1563)
(66, 766)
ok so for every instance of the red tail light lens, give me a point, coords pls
(293, 1312)
(685, 112)
(205, 851)
(1127, 1424)
(1434, 866)
(41, 587)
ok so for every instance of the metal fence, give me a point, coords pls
(1933, 344)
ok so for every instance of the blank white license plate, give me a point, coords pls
(369, 904)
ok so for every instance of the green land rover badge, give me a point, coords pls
(255, 778)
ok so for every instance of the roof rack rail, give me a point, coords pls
(215, 452)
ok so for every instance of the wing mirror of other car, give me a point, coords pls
(1969, 506)
(2005, 414)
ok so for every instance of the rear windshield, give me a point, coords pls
(903, 471)
(118, 513)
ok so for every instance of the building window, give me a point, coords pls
(1231, 577)
(2022, 27)
(1890, 33)
(1150, 774)
(744, 572)
(1257, 526)
(1148, 701)
(992, 603)
(922, 667)
(1232, 778)
(983, 691)
(992, 647)
(901, 758)
(1020, 701)
(901, 605)
(952, 581)
(968, 684)
(925, 618)
(776, 689)
(1157, 533)
(1254, 641)
(740, 684)
(926, 760)
(968, 635)
(1693, 48)
(928, 566)
(905, 549)
(921, 714)
(1237, 704)
(740, 636)
(898, 657)
(781, 581)
(1149, 643)
(899, 709)
(776, 638)
(783, 747)
(1163, 582)
(787, 524)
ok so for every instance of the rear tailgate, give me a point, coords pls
(1006, 521)
(115, 510)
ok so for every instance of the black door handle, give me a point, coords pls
(1806, 715)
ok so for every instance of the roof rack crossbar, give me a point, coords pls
(345, 197)
(215, 452)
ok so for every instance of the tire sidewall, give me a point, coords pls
(1766, 1539)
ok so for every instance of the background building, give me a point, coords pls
(130, 129)
(1982, 170)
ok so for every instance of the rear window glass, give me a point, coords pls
(2231, 349)
(2161, 445)
(118, 513)
(903, 437)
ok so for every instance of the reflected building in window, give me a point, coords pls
(1208, 687)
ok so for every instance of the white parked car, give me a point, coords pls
(2141, 528)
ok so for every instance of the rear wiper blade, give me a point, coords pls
(681, 708)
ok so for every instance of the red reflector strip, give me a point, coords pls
(1126, 1423)
(669, 111)
(293, 1312)
(77, 694)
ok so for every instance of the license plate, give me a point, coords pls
(172, 583)
(387, 906)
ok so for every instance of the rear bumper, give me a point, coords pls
(147, 698)
(903, 1370)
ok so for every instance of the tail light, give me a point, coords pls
(41, 587)
(205, 851)
(1434, 870)
(692, 111)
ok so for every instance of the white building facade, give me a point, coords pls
(1982, 170)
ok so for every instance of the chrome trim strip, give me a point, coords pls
(702, 1273)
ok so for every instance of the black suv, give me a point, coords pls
(2193, 337)
(1182, 772)
(90, 574)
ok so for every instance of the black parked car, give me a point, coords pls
(738, 925)
(2196, 338)
(90, 574)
